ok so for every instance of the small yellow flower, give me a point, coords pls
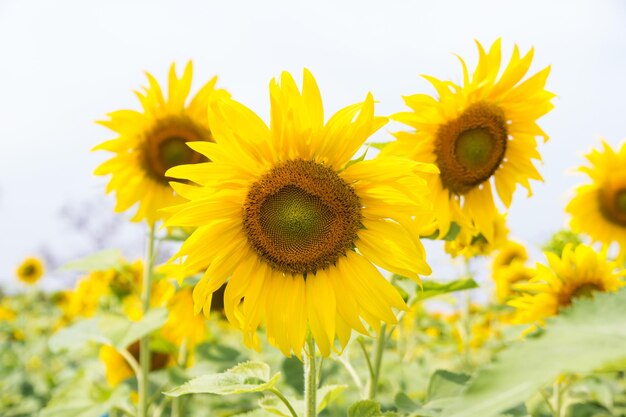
(7, 313)
(579, 272)
(30, 270)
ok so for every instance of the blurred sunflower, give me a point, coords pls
(117, 369)
(295, 226)
(154, 140)
(506, 277)
(183, 326)
(598, 209)
(480, 134)
(470, 244)
(509, 253)
(579, 272)
(30, 270)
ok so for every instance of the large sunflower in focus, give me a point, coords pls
(480, 134)
(153, 140)
(293, 226)
(579, 272)
(598, 209)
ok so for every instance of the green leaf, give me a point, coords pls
(245, 377)
(587, 336)
(365, 408)
(432, 289)
(122, 332)
(81, 398)
(110, 329)
(354, 161)
(294, 373)
(76, 336)
(327, 394)
(404, 402)
(99, 261)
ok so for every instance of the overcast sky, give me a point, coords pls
(65, 64)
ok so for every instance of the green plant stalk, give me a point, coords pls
(182, 362)
(143, 383)
(310, 378)
(285, 401)
(378, 360)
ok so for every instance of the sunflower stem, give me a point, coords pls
(143, 383)
(310, 378)
(378, 360)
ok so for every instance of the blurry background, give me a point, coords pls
(65, 64)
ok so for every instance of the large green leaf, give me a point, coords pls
(245, 377)
(81, 398)
(99, 261)
(122, 332)
(110, 329)
(587, 336)
(432, 289)
(365, 408)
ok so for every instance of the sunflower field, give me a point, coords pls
(287, 258)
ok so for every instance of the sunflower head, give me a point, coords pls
(294, 227)
(481, 134)
(579, 272)
(470, 243)
(509, 253)
(598, 208)
(153, 140)
(30, 270)
(507, 277)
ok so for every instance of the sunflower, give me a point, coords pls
(480, 134)
(118, 370)
(598, 209)
(30, 270)
(183, 326)
(294, 225)
(154, 140)
(469, 244)
(506, 277)
(509, 253)
(579, 272)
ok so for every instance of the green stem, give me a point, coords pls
(378, 359)
(284, 400)
(310, 380)
(182, 362)
(367, 357)
(143, 383)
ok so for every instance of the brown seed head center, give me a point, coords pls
(301, 216)
(165, 145)
(613, 205)
(470, 148)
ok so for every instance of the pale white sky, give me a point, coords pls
(64, 64)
